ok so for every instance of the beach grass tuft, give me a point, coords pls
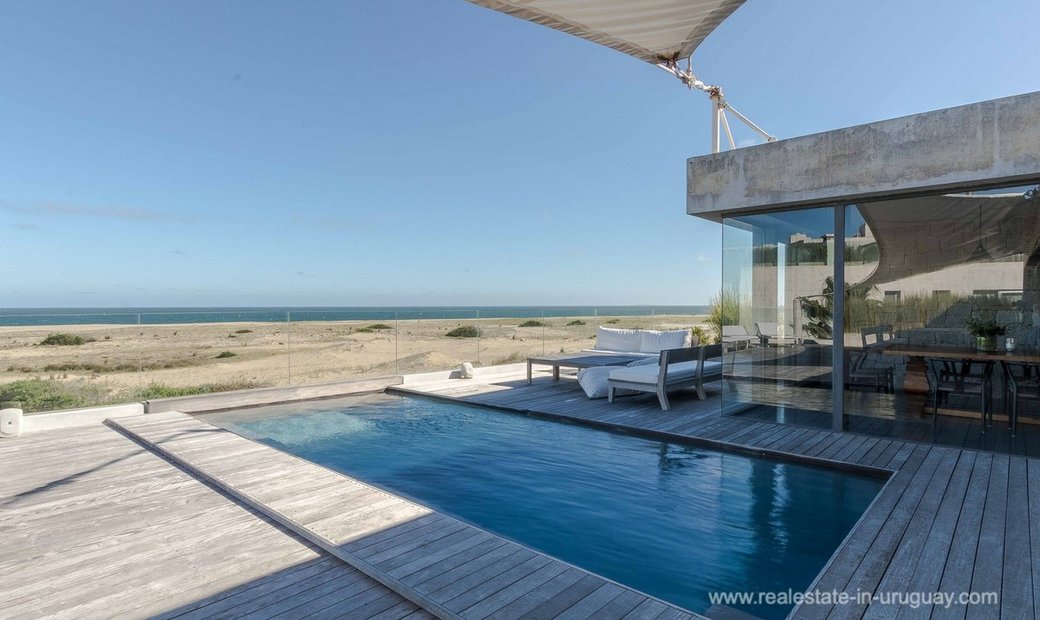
(465, 331)
(64, 340)
(532, 323)
(225, 355)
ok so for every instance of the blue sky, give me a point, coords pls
(419, 152)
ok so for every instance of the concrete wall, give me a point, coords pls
(71, 418)
(994, 142)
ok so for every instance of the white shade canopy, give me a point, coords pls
(660, 32)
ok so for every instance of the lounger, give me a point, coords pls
(769, 334)
(689, 366)
(736, 335)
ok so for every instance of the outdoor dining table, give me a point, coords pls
(916, 380)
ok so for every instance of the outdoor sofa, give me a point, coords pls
(676, 368)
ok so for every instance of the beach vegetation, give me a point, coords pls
(159, 390)
(723, 309)
(464, 331)
(225, 355)
(512, 358)
(612, 322)
(105, 366)
(64, 340)
(379, 326)
(575, 322)
(532, 323)
(36, 395)
(364, 330)
(237, 331)
(41, 395)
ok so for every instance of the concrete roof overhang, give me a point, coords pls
(988, 144)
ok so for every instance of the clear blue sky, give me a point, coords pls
(419, 152)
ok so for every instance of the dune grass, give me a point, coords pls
(64, 340)
(39, 395)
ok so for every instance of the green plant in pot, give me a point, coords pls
(985, 329)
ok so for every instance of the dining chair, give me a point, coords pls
(881, 379)
(1022, 382)
(971, 378)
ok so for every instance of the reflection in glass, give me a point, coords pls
(777, 287)
(929, 268)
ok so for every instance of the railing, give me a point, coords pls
(77, 359)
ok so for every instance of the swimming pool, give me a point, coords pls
(673, 520)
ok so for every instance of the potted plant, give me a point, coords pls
(985, 329)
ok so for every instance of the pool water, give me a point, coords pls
(672, 520)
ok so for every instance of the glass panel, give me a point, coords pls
(774, 315)
(69, 360)
(922, 272)
(328, 345)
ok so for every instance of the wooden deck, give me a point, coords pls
(447, 567)
(95, 526)
(949, 519)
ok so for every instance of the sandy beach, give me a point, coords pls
(115, 358)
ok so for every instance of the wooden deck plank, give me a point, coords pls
(987, 575)
(960, 563)
(108, 529)
(1018, 589)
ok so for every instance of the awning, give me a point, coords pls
(656, 31)
(928, 234)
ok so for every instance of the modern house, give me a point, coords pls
(939, 214)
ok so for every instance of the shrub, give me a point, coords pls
(65, 340)
(466, 331)
(613, 321)
(40, 395)
(532, 323)
(377, 326)
(158, 390)
(364, 330)
(724, 310)
(226, 354)
(575, 322)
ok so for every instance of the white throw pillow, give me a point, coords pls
(610, 339)
(654, 341)
(594, 380)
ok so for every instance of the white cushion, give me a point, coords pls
(676, 372)
(646, 360)
(652, 341)
(610, 339)
(594, 380)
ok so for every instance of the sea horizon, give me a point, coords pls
(165, 315)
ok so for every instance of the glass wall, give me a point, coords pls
(922, 274)
(930, 283)
(777, 308)
(71, 359)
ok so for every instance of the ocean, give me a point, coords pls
(167, 316)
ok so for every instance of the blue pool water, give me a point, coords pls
(672, 520)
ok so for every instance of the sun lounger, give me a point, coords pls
(769, 334)
(737, 336)
(676, 368)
